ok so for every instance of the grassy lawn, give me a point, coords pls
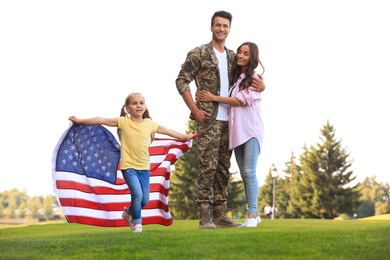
(277, 239)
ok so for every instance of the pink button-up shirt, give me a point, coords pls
(245, 121)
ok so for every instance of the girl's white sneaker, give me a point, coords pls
(137, 228)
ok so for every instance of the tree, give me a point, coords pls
(374, 198)
(22, 210)
(236, 200)
(33, 205)
(11, 207)
(48, 207)
(1, 207)
(281, 194)
(292, 190)
(323, 181)
(183, 184)
(265, 192)
(283, 191)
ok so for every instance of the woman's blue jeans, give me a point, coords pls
(139, 184)
(246, 157)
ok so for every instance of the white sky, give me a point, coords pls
(324, 60)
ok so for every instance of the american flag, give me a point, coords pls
(91, 190)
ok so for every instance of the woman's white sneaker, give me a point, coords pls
(250, 222)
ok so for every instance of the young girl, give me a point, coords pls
(136, 130)
(245, 123)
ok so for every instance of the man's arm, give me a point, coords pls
(257, 84)
(197, 113)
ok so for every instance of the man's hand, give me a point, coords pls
(200, 115)
(257, 84)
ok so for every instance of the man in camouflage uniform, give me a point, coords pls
(202, 65)
(214, 155)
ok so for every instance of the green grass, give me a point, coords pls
(272, 239)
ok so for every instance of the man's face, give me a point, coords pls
(220, 29)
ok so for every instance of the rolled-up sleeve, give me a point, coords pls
(187, 72)
(247, 97)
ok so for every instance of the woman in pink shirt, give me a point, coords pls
(245, 123)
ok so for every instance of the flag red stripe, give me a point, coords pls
(116, 222)
(99, 190)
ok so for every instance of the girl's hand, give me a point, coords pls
(192, 135)
(73, 119)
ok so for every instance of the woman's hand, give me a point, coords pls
(203, 95)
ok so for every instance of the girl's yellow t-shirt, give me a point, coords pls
(135, 141)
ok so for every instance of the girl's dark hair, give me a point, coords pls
(222, 14)
(253, 63)
(123, 112)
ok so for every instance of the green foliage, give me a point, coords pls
(278, 239)
(17, 204)
(1, 210)
(22, 210)
(33, 205)
(265, 193)
(236, 201)
(374, 198)
(48, 207)
(183, 183)
(319, 186)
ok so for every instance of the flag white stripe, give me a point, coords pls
(114, 198)
(66, 176)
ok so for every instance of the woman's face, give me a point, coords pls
(243, 57)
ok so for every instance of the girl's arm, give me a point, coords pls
(172, 133)
(203, 95)
(94, 121)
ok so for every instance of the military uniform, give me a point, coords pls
(201, 66)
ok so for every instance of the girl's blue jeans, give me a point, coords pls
(138, 182)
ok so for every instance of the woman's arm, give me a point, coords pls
(203, 95)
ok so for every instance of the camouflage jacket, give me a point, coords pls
(201, 65)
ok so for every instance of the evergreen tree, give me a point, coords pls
(183, 184)
(323, 190)
(236, 201)
(265, 193)
(283, 190)
(292, 175)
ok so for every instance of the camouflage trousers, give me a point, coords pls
(214, 162)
